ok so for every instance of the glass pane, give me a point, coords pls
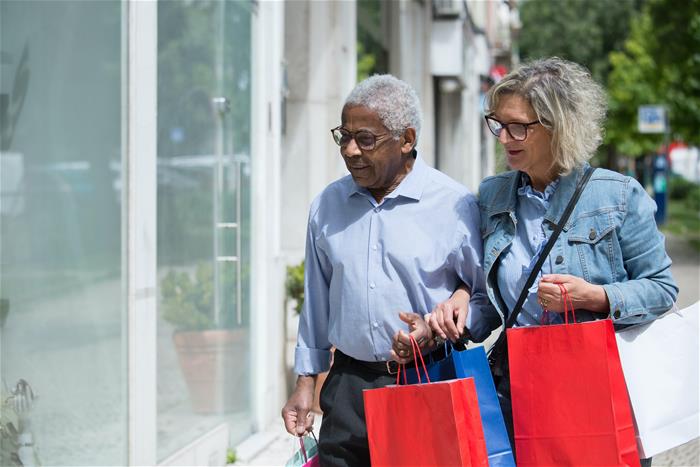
(203, 220)
(62, 335)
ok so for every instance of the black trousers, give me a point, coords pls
(342, 440)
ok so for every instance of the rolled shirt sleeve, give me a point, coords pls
(312, 354)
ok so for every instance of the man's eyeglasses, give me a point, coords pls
(365, 140)
(516, 130)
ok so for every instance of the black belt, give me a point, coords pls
(388, 367)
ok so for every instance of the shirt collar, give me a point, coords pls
(411, 186)
(526, 189)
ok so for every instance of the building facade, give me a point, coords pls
(157, 161)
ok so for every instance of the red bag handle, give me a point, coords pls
(416, 351)
(303, 447)
(568, 307)
(568, 304)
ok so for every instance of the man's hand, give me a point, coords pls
(584, 295)
(448, 318)
(401, 348)
(297, 415)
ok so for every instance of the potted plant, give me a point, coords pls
(209, 348)
(294, 287)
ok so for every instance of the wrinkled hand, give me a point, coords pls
(584, 295)
(297, 415)
(401, 349)
(448, 318)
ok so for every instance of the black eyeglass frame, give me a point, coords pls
(353, 135)
(506, 126)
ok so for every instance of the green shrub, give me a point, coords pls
(294, 285)
(679, 187)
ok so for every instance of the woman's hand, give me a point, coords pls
(448, 318)
(401, 348)
(584, 295)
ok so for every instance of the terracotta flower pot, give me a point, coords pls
(212, 367)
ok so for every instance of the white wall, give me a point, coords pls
(321, 55)
(409, 59)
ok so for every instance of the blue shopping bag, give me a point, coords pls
(472, 363)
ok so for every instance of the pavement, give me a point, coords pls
(274, 446)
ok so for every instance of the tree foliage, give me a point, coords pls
(582, 31)
(660, 64)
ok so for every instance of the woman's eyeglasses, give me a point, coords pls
(365, 140)
(516, 130)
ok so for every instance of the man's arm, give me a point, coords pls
(297, 415)
(312, 355)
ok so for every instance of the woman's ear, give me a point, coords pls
(409, 140)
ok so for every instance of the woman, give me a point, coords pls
(610, 257)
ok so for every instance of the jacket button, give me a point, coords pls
(559, 260)
(591, 236)
(616, 315)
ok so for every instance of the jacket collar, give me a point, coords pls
(566, 189)
(506, 204)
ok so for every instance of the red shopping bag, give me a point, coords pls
(425, 424)
(570, 402)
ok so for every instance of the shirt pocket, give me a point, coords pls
(593, 248)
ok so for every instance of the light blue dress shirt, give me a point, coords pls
(367, 261)
(520, 257)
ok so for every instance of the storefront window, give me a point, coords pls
(203, 220)
(62, 326)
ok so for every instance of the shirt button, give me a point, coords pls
(591, 236)
(616, 315)
(372, 285)
(374, 247)
(375, 324)
(559, 260)
(376, 209)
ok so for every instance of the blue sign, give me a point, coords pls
(651, 119)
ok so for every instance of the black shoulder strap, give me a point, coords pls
(497, 352)
(548, 247)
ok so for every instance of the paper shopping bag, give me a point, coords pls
(472, 363)
(570, 403)
(307, 455)
(425, 424)
(660, 362)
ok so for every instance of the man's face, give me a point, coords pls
(380, 167)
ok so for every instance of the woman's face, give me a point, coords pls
(533, 155)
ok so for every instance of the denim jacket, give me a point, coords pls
(611, 239)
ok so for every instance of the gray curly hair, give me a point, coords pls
(567, 101)
(395, 102)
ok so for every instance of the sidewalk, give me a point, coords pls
(274, 446)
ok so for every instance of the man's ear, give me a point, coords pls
(409, 140)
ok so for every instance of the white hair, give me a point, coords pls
(567, 101)
(395, 102)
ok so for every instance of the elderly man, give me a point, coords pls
(396, 235)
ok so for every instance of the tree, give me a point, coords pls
(659, 64)
(582, 31)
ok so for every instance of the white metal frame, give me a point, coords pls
(139, 173)
(268, 267)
